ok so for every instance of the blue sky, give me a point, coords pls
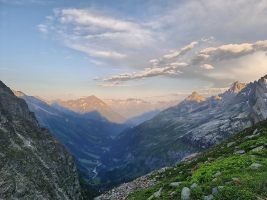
(130, 48)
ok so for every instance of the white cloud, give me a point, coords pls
(182, 51)
(97, 53)
(96, 34)
(170, 70)
(88, 19)
(131, 41)
(230, 61)
(207, 66)
(42, 28)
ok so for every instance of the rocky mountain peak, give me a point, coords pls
(236, 87)
(92, 104)
(4, 89)
(264, 80)
(196, 97)
(15, 107)
(92, 97)
(19, 93)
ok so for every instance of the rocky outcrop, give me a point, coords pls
(124, 190)
(33, 165)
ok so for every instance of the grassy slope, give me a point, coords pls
(239, 181)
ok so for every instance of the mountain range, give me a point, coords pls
(110, 153)
(132, 108)
(195, 124)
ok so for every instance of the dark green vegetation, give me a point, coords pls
(233, 170)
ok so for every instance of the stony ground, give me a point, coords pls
(121, 192)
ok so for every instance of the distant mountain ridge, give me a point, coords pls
(92, 104)
(195, 124)
(132, 107)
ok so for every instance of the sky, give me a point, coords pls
(65, 49)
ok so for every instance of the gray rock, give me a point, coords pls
(155, 195)
(255, 166)
(173, 193)
(236, 180)
(209, 197)
(230, 144)
(217, 174)
(122, 191)
(185, 194)
(215, 190)
(215, 179)
(258, 148)
(194, 185)
(240, 152)
(158, 193)
(175, 184)
(220, 187)
(250, 136)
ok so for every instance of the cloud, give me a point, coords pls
(207, 66)
(97, 53)
(230, 51)
(42, 28)
(221, 64)
(170, 70)
(174, 55)
(141, 42)
(239, 20)
(96, 34)
(181, 52)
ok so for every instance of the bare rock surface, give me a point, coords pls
(33, 164)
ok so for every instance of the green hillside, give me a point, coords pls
(233, 170)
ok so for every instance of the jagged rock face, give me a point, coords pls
(32, 164)
(191, 126)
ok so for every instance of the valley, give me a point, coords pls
(133, 100)
(108, 153)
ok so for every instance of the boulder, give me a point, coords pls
(255, 166)
(175, 184)
(185, 194)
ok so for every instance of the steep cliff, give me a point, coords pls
(33, 165)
